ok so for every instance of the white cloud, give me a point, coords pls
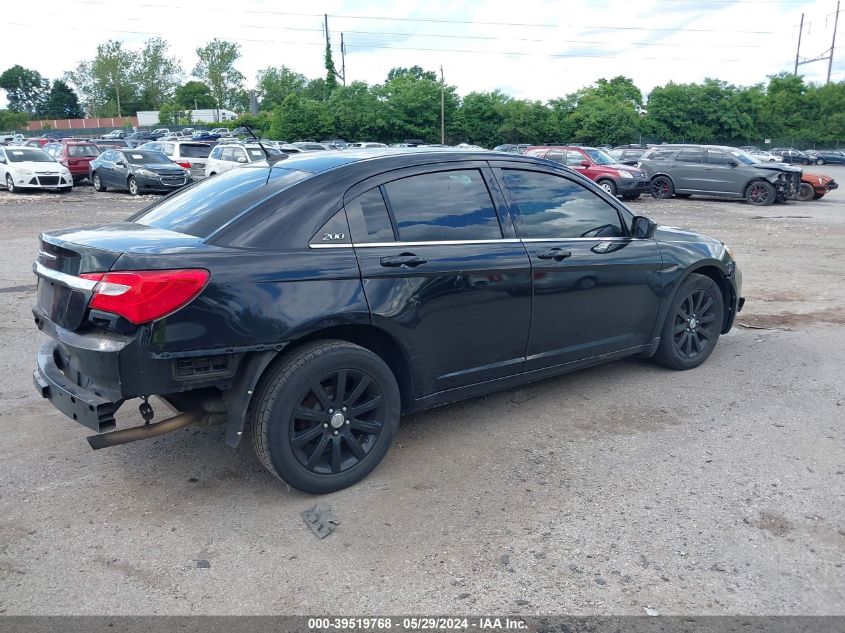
(573, 46)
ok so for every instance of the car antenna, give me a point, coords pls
(271, 159)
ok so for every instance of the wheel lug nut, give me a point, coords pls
(325, 425)
(335, 432)
(331, 411)
(343, 409)
(348, 423)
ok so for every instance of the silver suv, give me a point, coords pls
(714, 170)
(188, 154)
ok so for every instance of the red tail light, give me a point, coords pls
(184, 164)
(145, 295)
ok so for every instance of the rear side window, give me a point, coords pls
(443, 206)
(368, 218)
(555, 155)
(553, 207)
(207, 206)
(690, 156)
(194, 151)
(659, 154)
(718, 157)
(573, 158)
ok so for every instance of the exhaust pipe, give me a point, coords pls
(124, 436)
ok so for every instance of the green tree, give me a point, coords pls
(415, 72)
(274, 84)
(481, 117)
(216, 67)
(11, 120)
(331, 71)
(156, 73)
(356, 113)
(26, 90)
(112, 70)
(62, 102)
(194, 95)
(170, 114)
(411, 107)
(301, 118)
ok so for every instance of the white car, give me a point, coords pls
(766, 157)
(226, 157)
(32, 168)
(366, 145)
(188, 154)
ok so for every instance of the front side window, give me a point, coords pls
(443, 206)
(553, 207)
(718, 157)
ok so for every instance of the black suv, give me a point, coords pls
(311, 302)
(712, 170)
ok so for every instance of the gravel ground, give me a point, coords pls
(714, 491)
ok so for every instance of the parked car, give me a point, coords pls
(827, 156)
(306, 314)
(116, 134)
(815, 186)
(712, 170)
(137, 171)
(366, 145)
(766, 157)
(32, 168)
(75, 155)
(793, 156)
(627, 156)
(222, 132)
(110, 142)
(613, 177)
(187, 154)
(307, 146)
(159, 132)
(37, 142)
(512, 148)
(226, 157)
(138, 138)
(205, 136)
(335, 143)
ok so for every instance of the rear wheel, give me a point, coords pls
(662, 187)
(10, 184)
(693, 324)
(325, 416)
(806, 192)
(609, 186)
(98, 184)
(760, 193)
(133, 186)
(805, 161)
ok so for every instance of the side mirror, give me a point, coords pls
(241, 159)
(120, 163)
(584, 163)
(643, 227)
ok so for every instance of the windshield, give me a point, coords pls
(744, 157)
(29, 155)
(599, 157)
(145, 157)
(211, 204)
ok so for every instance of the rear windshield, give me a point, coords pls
(209, 205)
(28, 155)
(198, 150)
(83, 150)
(145, 157)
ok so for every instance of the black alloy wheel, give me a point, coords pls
(338, 421)
(760, 193)
(662, 187)
(693, 328)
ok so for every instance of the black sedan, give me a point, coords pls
(137, 171)
(790, 155)
(306, 304)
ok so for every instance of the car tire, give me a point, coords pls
(630, 196)
(693, 324)
(608, 185)
(805, 192)
(132, 185)
(10, 184)
(98, 184)
(820, 161)
(760, 193)
(662, 187)
(299, 441)
(805, 161)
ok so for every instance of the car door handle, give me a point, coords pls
(553, 253)
(408, 260)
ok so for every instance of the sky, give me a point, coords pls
(530, 49)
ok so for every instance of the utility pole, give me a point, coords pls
(340, 75)
(442, 109)
(833, 42)
(342, 60)
(798, 51)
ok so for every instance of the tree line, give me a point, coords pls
(121, 81)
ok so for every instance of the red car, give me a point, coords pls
(75, 155)
(595, 164)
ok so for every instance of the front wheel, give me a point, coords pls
(10, 184)
(133, 186)
(806, 192)
(325, 416)
(760, 193)
(609, 186)
(662, 187)
(693, 324)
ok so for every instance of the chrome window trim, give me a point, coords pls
(525, 240)
(77, 283)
